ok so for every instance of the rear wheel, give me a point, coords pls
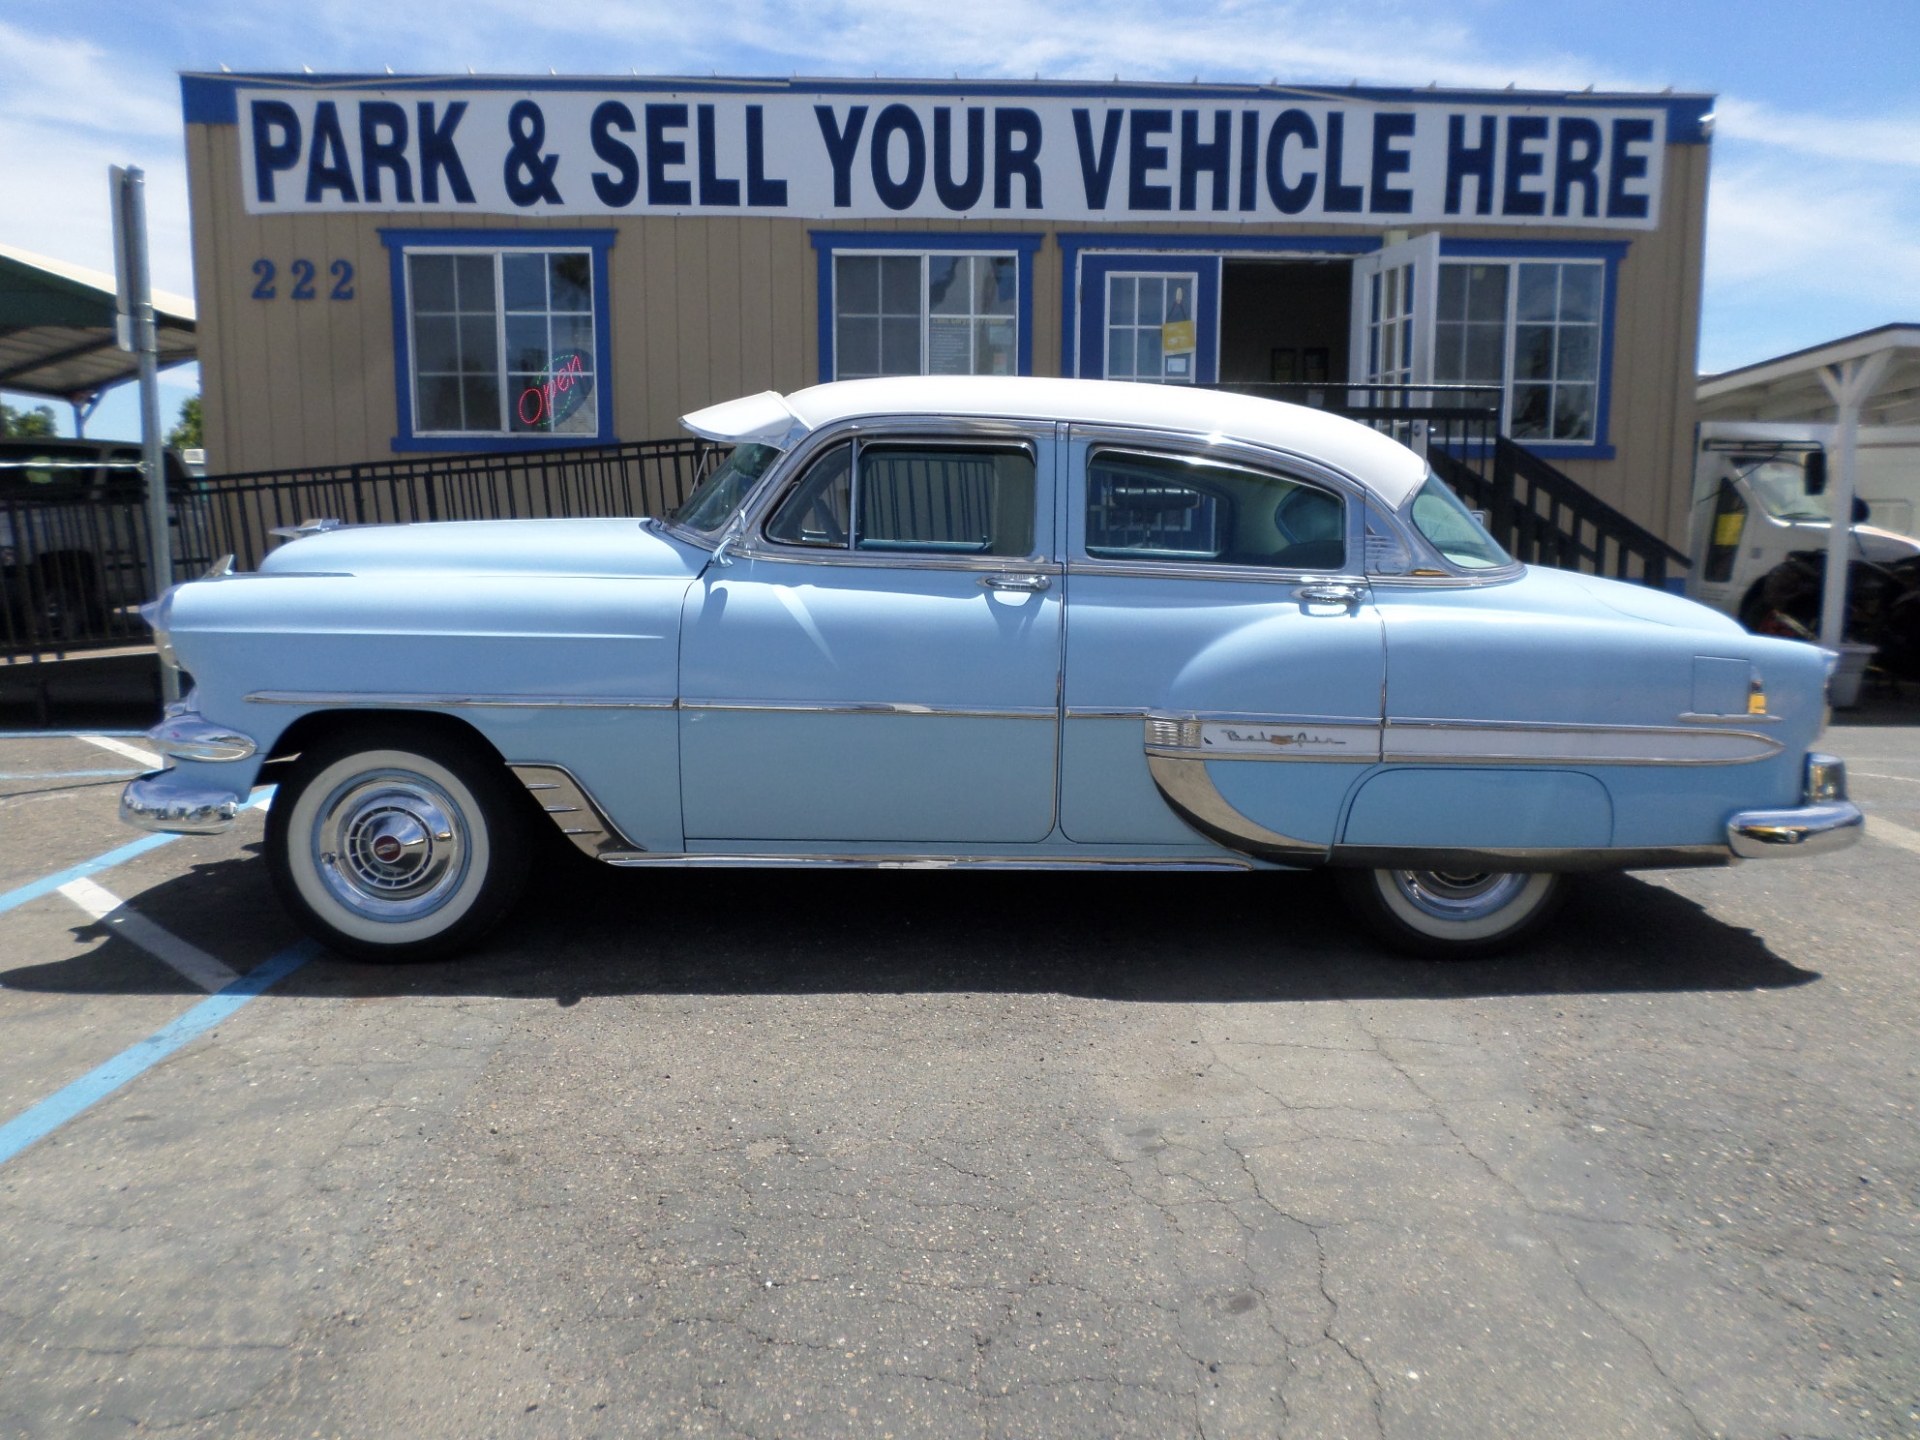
(1446, 915)
(397, 842)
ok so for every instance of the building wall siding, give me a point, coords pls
(704, 309)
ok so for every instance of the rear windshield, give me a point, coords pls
(1451, 529)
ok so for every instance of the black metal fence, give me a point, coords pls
(75, 565)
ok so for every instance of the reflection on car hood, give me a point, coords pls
(617, 547)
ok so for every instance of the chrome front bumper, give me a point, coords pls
(1809, 830)
(153, 803)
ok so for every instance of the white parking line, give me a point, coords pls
(120, 747)
(190, 960)
(1893, 833)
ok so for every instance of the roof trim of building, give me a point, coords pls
(211, 99)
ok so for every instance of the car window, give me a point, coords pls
(720, 494)
(816, 509)
(945, 499)
(1451, 529)
(1169, 507)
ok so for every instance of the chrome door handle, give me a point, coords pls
(1031, 584)
(1330, 594)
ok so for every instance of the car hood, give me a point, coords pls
(619, 547)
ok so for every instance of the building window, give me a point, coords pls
(1150, 329)
(925, 314)
(501, 338)
(1532, 331)
(503, 342)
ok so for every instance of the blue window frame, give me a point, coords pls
(925, 303)
(501, 338)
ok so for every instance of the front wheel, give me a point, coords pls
(1442, 915)
(397, 842)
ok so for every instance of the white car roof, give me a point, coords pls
(1388, 468)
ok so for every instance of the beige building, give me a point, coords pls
(387, 266)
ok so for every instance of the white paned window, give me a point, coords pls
(502, 342)
(1531, 331)
(930, 314)
(1150, 334)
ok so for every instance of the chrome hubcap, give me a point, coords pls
(391, 846)
(1446, 895)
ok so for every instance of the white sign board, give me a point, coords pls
(835, 155)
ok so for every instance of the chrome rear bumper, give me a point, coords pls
(152, 803)
(1809, 830)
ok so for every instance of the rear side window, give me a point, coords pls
(1168, 507)
(912, 499)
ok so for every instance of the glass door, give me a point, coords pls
(1393, 310)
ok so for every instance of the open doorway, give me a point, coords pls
(1285, 322)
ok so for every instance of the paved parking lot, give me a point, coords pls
(913, 1154)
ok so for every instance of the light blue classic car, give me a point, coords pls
(982, 622)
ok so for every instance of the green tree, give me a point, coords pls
(186, 435)
(26, 424)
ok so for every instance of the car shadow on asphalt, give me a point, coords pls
(584, 930)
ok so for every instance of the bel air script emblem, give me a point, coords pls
(1237, 738)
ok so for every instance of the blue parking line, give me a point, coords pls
(38, 1121)
(35, 889)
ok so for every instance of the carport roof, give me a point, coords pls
(57, 328)
(1788, 386)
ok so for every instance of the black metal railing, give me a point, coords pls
(1538, 514)
(75, 564)
(641, 477)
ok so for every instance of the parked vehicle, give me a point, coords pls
(986, 622)
(73, 537)
(1759, 533)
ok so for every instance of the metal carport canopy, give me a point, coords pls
(57, 329)
(1789, 387)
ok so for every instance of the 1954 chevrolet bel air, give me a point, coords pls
(954, 622)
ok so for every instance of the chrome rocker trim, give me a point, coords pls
(150, 803)
(711, 861)
(1809, 830)
(573, 810)
(374, 698)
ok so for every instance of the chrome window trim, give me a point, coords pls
(877, 707)
(764, 500)
(459, 701)
(1229, 454)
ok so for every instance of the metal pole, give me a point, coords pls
(139, 334)
(1849, 383)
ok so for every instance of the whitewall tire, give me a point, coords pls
(1440, 915)
(397, 842)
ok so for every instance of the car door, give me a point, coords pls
(880, 661)
(1224, 661)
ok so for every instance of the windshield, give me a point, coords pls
(1781, 487)
(720, 494)
(1451, 529)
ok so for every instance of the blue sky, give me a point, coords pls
(1814, 215)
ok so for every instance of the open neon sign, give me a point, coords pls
(559, 392)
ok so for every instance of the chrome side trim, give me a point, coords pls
(151, 803)
(1308, 737)
(921, 862)
(1458, 860)
(458, 701)
(190, 736)
(1481, 742)
(1094, 712)
(1185, 785)
(875, 707)
(572, 809)
(1808, 830)
(1689, 718)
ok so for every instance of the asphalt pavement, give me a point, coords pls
(913, 1154)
